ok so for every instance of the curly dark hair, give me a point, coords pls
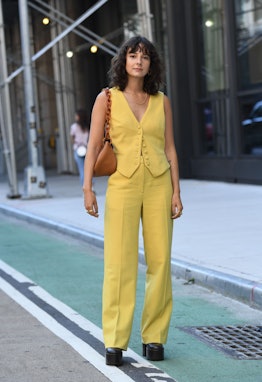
(83, 119)
(117, 73)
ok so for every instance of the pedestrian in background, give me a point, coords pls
(145, 187)
(79, 132)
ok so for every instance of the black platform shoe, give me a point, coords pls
(153, 352)
(113, 356)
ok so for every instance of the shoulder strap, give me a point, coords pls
(108, 115)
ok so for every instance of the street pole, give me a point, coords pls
(34, 177)
(5, 116)
(143, 7)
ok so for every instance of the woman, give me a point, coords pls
(79, 132)
(145, 187)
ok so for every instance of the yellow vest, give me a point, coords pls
(131, 138)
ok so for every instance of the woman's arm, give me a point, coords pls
(94, 145)
(171, 155)
(72, 133)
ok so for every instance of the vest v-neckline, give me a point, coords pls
(131, 111)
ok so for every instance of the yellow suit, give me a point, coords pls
(140, 189)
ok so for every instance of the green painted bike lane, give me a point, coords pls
(72, 272)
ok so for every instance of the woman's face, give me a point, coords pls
(137, 63)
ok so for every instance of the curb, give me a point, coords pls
(246, 291)
(243, 290)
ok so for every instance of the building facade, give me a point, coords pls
(212, 52)
(215, 49)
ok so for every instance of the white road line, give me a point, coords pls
(86, 351)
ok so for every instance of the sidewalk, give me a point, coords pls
(217, 241)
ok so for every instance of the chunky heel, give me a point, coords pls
(113, 356)
(153, 352)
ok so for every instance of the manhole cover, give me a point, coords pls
(242, 342)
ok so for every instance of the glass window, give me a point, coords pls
(251, 112)
(207, 128)
(212, 55)
(249, 58)
(249, 42)
(214, 113)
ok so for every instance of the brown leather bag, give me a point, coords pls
(106, 161)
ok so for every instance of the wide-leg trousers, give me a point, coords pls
(128, 201)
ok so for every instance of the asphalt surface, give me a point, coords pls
(31, 352)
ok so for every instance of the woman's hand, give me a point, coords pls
(177, 206)
(90, 203)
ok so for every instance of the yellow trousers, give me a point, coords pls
(129, 200)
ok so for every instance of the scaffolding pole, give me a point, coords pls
(62, 19)
(69, 29)
(34, 175)
(35, 182)
(65, 101)
(6, 117)
(143, 7)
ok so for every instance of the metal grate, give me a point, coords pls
(241, 342)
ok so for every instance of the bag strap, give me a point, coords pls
(108, 115)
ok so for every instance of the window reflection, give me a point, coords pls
(212, 31)
(214, 112)
(249, 51)
(252, 128)
(249, 42)
(208, 129)
(215, 127)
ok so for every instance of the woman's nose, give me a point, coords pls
(139, 60)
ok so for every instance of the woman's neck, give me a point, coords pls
(134, 86)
